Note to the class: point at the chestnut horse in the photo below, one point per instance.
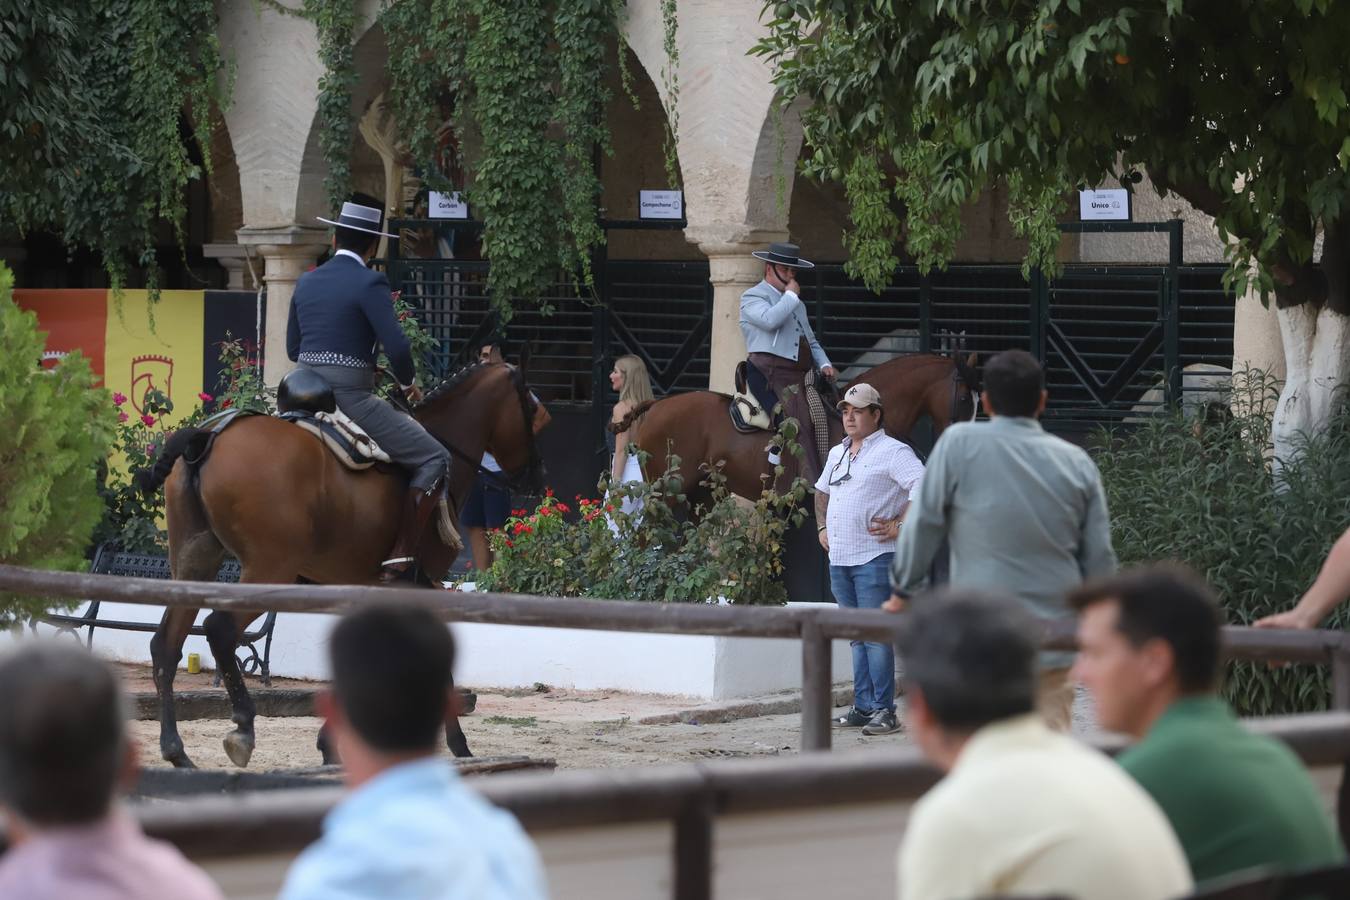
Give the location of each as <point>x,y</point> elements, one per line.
<point>277,499</point>
<point>697,427</point>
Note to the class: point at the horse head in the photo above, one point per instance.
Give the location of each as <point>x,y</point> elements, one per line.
<point>492,397</point>
<point>965,387</point>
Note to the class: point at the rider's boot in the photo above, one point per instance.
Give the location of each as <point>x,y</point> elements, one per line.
<point>418,508</point>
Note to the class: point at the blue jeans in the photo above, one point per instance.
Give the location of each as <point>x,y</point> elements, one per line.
<point>867,586</point>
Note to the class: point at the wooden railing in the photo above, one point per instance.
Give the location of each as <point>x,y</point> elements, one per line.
<point>815,628</point>
<point>691,796</point>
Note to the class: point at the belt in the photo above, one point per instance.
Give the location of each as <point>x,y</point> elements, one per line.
<point>329,358</point>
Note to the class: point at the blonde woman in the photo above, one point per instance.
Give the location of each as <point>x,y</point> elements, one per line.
<point>629,378</point>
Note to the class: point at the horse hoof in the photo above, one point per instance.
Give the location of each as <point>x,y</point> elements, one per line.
<point>239,748</point>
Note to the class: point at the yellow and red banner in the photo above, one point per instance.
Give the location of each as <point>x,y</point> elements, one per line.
<point>172,346</point>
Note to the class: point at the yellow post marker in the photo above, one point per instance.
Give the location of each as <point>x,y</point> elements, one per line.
<point>194,663</point>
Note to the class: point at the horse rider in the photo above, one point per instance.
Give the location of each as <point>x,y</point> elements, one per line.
<point>340,313</point>
<point>781,345</point>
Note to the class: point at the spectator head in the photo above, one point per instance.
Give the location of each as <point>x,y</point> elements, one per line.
<point>1146,637</point>
<point>391,691</point>
<point>64,750</point>
<point>970,660</point>
<point>490,351</point>
<point>1014,385</point>
<point>362,243</point>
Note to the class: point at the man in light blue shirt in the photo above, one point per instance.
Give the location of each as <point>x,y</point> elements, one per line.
<point>782,347</point>
<point>410,828</point>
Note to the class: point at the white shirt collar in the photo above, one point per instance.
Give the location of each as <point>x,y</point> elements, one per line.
<point>355,256</point>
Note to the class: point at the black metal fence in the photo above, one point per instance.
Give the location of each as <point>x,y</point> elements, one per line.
<point>1113,339</point>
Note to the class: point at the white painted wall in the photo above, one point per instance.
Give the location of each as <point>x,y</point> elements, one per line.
<point>705,668</point>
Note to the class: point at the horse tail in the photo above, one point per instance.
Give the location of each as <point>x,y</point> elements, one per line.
<point>189,441</point>
<point>633,415</point>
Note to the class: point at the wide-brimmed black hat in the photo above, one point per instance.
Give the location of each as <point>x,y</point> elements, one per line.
<point>783,255</point>
<point>358,218</point>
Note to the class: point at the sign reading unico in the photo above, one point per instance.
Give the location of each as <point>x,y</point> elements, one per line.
<point>1104,205</point>
<point>446,206</point>
<point>660,205</point>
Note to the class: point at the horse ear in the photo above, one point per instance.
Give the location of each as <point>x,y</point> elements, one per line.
<point>972,360</point>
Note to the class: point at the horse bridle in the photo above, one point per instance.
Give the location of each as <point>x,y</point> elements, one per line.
<point>959,378</point>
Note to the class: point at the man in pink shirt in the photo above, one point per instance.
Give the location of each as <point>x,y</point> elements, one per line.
<point>64,753</point>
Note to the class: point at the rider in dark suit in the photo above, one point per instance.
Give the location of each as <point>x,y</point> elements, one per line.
<point>340,314</point>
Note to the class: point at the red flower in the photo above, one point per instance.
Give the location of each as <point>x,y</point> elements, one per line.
<point>508,543</point>
<point>609,507</point>
<point>564,508</point>
<point>205,397</point>
<point>148,420</point>
<point>122,417</point>
<point>227,404</point>
<point>119,398</point>
<point>548,492</point>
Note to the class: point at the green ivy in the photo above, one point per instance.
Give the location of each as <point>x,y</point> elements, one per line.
<point>93,97</point>
<point>581,29</point>
<point>670,79</point>
<point>335,21</point>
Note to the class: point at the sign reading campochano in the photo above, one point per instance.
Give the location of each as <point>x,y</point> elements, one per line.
<point>1104,205</point>
<point>660,204</point>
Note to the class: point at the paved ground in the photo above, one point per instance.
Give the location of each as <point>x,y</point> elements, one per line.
<point>579,729</point>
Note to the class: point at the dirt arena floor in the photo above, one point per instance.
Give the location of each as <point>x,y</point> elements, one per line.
<point>578,729</point>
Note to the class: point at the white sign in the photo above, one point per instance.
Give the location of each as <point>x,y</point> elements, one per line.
<point>660,205</point>
<point>447,206</point>
<point>1104,205</point>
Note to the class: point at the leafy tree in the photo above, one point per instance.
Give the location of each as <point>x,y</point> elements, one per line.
<point>58,428</point>
<point>1240,107</point>
<point>95,98</point>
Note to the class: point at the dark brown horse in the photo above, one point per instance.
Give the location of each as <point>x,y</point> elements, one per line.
<point>697,428</point>
<point>273,496</point>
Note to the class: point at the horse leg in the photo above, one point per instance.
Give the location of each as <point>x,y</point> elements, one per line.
<point>326,746</point>
<point>166,650</point>
<point>222,633</point>
<point>454,735</point>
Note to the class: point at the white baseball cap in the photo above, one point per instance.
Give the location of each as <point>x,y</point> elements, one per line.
<point>861,396</point>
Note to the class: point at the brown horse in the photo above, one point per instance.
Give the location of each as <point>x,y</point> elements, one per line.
<point>696,426</point>
<point>273,496</point>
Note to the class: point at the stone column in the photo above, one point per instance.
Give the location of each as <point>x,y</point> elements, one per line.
<point>732,271</point>
<point>288,251</point>
<point>231,258</point>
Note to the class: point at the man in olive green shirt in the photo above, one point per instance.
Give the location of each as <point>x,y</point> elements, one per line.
<point>1149,654</point>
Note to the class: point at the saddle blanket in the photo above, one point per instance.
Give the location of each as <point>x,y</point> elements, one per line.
<point>350,444</point>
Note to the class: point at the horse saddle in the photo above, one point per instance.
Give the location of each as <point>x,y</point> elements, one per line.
<point>747,411</point>
<point>304,398</point>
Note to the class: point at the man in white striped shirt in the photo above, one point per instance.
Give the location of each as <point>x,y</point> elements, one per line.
<point>861,498</point>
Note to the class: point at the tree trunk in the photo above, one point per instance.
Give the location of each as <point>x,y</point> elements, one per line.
<point>1317,362</point>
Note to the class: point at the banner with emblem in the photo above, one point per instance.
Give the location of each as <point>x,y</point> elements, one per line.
<point>156,348</point>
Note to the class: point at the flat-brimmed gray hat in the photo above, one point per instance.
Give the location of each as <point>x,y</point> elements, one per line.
<point>783,255</point>
<point>358,218</point>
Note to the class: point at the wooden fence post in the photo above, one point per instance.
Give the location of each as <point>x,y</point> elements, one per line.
<point>1340,676</point>
<point>817,697</point>
<point>694,849</point>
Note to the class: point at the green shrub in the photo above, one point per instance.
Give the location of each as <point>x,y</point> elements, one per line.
<point>57,429</point>
<point>732,549</point>
<point>1203,492</point>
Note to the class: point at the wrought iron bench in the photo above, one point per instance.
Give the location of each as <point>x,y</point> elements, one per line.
<point>109,561</point>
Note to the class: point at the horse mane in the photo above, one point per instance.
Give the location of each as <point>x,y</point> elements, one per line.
<point>632,416</point>
<point>452,382</point>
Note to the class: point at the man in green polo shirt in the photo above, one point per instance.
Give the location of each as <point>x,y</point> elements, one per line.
<point>1149,654</point>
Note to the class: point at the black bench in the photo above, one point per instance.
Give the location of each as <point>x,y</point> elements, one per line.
<point>109,561</point>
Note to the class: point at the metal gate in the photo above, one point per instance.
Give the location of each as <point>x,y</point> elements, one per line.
<point>1107,335</point>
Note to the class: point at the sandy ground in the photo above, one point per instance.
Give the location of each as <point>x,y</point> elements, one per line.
<point>578,729</point>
